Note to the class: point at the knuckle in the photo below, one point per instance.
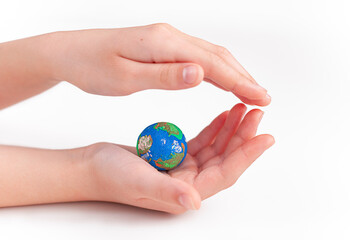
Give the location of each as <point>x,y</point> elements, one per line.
<point>95,149</point>
<point>162,34</point>
<point>216,58</point>
<point>164,25</point>
<point>233,87</point>
<point>222,51</point>
<point>161,29</point>
<point>215,61</point>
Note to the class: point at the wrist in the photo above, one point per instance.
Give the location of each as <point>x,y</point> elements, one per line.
<point>102,172</point>
<point>48,53</point>
<point>93,187</point>
<point>83,180</point>
<point>53,53</point>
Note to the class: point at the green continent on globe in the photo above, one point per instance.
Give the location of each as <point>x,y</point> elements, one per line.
<point>171,163</point>
<point>144,144</point>
<point>170,128</point>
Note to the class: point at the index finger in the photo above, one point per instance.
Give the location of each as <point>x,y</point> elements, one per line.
<point>221,73</point>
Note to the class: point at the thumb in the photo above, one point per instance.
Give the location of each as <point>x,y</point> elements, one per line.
<point>170,76</point>
<point>163,188</point>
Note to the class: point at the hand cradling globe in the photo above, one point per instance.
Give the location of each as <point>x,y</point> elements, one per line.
<point>163,145</point>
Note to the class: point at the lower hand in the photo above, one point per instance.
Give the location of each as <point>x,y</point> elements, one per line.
<point>216,158</point>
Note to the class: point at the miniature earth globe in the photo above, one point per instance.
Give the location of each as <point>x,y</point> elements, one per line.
<point>163,145</point>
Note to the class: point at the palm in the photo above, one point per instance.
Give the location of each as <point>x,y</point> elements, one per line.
<point>215,159</point>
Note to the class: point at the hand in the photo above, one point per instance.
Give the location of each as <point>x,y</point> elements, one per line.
<point>126,60</point>
<point>216,158</point>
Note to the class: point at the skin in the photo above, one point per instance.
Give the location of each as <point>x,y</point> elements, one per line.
<point>118,62</point>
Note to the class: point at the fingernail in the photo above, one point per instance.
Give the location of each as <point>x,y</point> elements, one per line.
<point>189,74</point>
<point>268,96</point>
<point>186,202</point>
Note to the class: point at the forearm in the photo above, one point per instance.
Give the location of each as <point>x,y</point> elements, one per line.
<point>34,176</point>
<point>25,69</point>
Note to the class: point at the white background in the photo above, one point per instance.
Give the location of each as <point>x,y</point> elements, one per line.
<point>298,50</point>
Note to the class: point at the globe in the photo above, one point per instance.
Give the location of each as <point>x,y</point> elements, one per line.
<point>163,145</point>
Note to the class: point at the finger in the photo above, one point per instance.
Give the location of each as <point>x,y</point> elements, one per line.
<point>246,130</point>
<point>209,181</point>
<point>218,55</point>
<point>260,102</point>
<point>228,57</point>
<point>163,188</point>
<point>156,205</point>
<point>207,135</point>
<point>234,63</point>
<point>215,84</point>
<point>217,69</point>
<point>237,162</point>
<point>219,177</point>
<point>230,126</point>
<point>170,76</point>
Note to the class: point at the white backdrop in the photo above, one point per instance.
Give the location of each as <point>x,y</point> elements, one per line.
<point>298,50</point>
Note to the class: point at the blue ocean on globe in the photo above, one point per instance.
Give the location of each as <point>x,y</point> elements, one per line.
<point>163,145</point>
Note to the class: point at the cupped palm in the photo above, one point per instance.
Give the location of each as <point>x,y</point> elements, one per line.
<point>216,158</point>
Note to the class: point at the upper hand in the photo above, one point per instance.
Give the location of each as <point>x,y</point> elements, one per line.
<point>126,60</point>
<point>215,160</point>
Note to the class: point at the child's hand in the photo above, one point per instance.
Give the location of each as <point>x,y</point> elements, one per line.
<point>216,158</point>
<point>126,60</point>
<point>108,172</point>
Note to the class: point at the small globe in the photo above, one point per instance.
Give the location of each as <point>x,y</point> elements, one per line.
<point>163,145</point>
